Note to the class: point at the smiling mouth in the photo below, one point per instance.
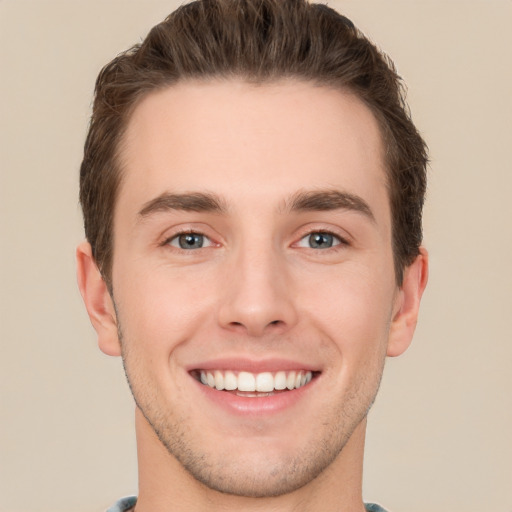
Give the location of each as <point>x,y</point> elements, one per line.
<point>254,384</point>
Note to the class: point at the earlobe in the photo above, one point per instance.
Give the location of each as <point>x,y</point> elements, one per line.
<point>407,306</point>
<point>98,301</point>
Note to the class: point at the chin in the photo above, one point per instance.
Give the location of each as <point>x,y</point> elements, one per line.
<point>258,476</point>
<point>259,468</point>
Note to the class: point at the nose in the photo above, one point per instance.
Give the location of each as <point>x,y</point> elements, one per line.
<point>257,296</point>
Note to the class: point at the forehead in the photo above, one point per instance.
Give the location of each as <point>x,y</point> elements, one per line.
<point>241,140</point>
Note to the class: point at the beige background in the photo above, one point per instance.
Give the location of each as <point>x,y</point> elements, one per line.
<point>439,435</point>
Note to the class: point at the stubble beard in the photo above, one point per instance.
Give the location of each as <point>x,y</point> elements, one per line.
<point>232,473</point>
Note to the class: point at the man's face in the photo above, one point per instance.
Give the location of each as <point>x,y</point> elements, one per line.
<point>253,248</point>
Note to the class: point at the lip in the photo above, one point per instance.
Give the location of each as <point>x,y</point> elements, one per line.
<point>253,366</point>
<point>254,406</point>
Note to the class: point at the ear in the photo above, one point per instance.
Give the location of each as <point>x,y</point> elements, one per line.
<point>98,301</point>
<point>407,305</point>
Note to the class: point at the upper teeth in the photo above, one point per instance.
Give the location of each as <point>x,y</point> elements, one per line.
<point>245,381</point>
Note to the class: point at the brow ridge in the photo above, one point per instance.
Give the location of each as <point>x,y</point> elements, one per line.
<point>316,200</point>
<point>191,202</point>
<point>325,200</point>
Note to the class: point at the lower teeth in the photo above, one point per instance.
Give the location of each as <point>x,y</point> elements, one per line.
<point>251,394</point>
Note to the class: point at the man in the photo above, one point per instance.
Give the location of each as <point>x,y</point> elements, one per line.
<point>252,189</point>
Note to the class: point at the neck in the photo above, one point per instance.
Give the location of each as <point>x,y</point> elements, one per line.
<point>165,486</point>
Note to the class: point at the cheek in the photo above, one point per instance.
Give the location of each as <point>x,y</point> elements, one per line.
<point>353,309</point>
<point>162,308</point>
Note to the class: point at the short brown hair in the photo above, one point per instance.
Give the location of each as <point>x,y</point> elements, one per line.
<point>258,41</point>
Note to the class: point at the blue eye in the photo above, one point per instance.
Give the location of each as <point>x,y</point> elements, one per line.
<point>188,241</point>
<point>320,240</point>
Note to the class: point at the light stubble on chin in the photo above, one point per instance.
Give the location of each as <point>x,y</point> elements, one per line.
<point>234,474</point>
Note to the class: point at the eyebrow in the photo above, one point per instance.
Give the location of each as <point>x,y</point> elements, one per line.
<point>317,200</point>
<point>189,202</point>
<point>325,200</point>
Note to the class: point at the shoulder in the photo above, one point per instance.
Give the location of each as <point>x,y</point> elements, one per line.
<point>123,505</point>
<point>372,507</point>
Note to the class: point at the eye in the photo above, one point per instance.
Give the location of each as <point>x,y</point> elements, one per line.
<point>189,241</point>
<point>320,240</point>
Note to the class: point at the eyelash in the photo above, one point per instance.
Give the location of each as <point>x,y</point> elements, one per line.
<point>340,242</point>
<point>177,235</point>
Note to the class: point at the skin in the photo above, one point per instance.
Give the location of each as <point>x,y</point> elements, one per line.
<point>257,291</point>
